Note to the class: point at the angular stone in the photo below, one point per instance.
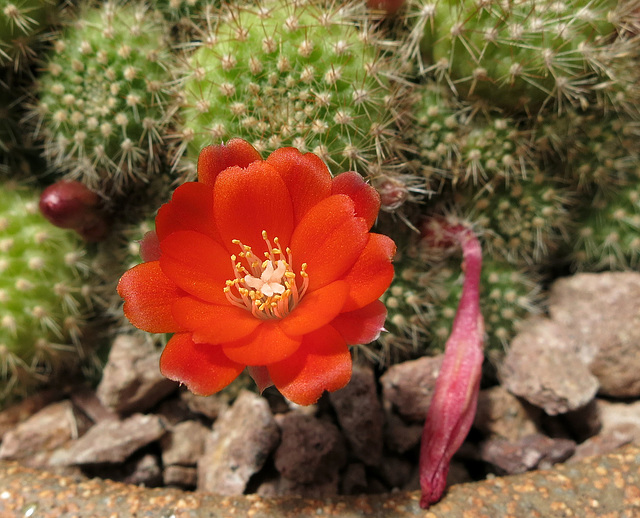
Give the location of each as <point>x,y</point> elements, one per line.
<point>360,415</point>
<point>111,441</point>
<point>395,471</point>
<point>282,486</point>
<point>603,313</point>
<point>399,436</point>
<point>12,415</point>
<point>184,477</point>
<point>542,367</point>
<point>354,479</point>
<point>141,469</point>
<point>33,439</point>
<point>502,414</point>
<point>184,444</point>
<point>241,440</point>
<point>209,406</point>
<point>409,386</point>
<point>310,450</point>
<point>87,401</point>
<point>131,381</point>
<point>530,452</point>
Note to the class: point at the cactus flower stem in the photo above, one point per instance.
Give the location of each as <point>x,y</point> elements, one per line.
<point>454,403</point>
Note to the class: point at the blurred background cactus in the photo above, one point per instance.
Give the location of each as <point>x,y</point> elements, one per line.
<point>45,296</point>
<point>103,97</point>
<point>519,120</point>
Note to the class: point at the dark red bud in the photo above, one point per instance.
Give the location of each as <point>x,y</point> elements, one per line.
<point>67,204</point>
<point>71,204</point>
<point>388,6</point>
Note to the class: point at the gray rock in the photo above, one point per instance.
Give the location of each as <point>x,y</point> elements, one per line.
<point>241,440</point>
<point>34,439</point>
<point>360,415</point>
<point>209,406</point>
<point>143,471</point>
<point>87,401</point>
<point>400,436</point>
<point>281,486</point>
<point>184,477</point>
<point>395,471</point>
<point>530,452</point>
<point>603,312</point>
<point>310,450</point>
<point>12,415</point>
<point>620,417</point>
<point>111,441</point>
<point>602,444</point>
<point>502,414</point>
<point>542,367</point>
<point>354,479</point>
<point>184,444</point>
<point>409,386</point>
<point>131,381</point>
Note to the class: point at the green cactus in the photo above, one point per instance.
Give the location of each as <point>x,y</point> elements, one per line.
<point>424,296</point>
<point>103,97</point>
<point>23,26</point>
<point>44,295</point>
<point>463,143</point>
<point>607,236</point>
<point>525,54</point>
<point>522,222</point>
<point>292,73</point>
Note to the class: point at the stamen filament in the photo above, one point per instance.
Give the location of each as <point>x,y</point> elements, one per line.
<point>266,288</point>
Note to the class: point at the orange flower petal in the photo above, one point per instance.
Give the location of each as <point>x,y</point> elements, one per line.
<point>212,323</point>
<point>267,344</point>
<point>215,159</point>
<point>197,264</point>
<point>329,239</point>
<point>322,362</point>
<point>248,201</point>
<point>203,368</point>
<point>365,197</point>
<point>316,309</point>
<point>363,325</point>
<point>190,208</point>
<point>148,296</point>
<point>372,273</point>
<point>307,177</point>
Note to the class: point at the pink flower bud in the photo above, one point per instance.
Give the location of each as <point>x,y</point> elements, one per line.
<point>454,403</point>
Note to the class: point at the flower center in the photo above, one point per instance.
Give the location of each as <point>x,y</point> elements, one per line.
<point>268,288</point>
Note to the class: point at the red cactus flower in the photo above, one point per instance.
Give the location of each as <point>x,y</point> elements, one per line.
<point>266,264</point>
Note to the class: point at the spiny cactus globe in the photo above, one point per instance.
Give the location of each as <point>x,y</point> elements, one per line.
<point>305,74</point>
<point>44,293</point>
<point>466,143</point>
<point>524,54</point>
<point>23,24</point>
<point>103,97</point>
